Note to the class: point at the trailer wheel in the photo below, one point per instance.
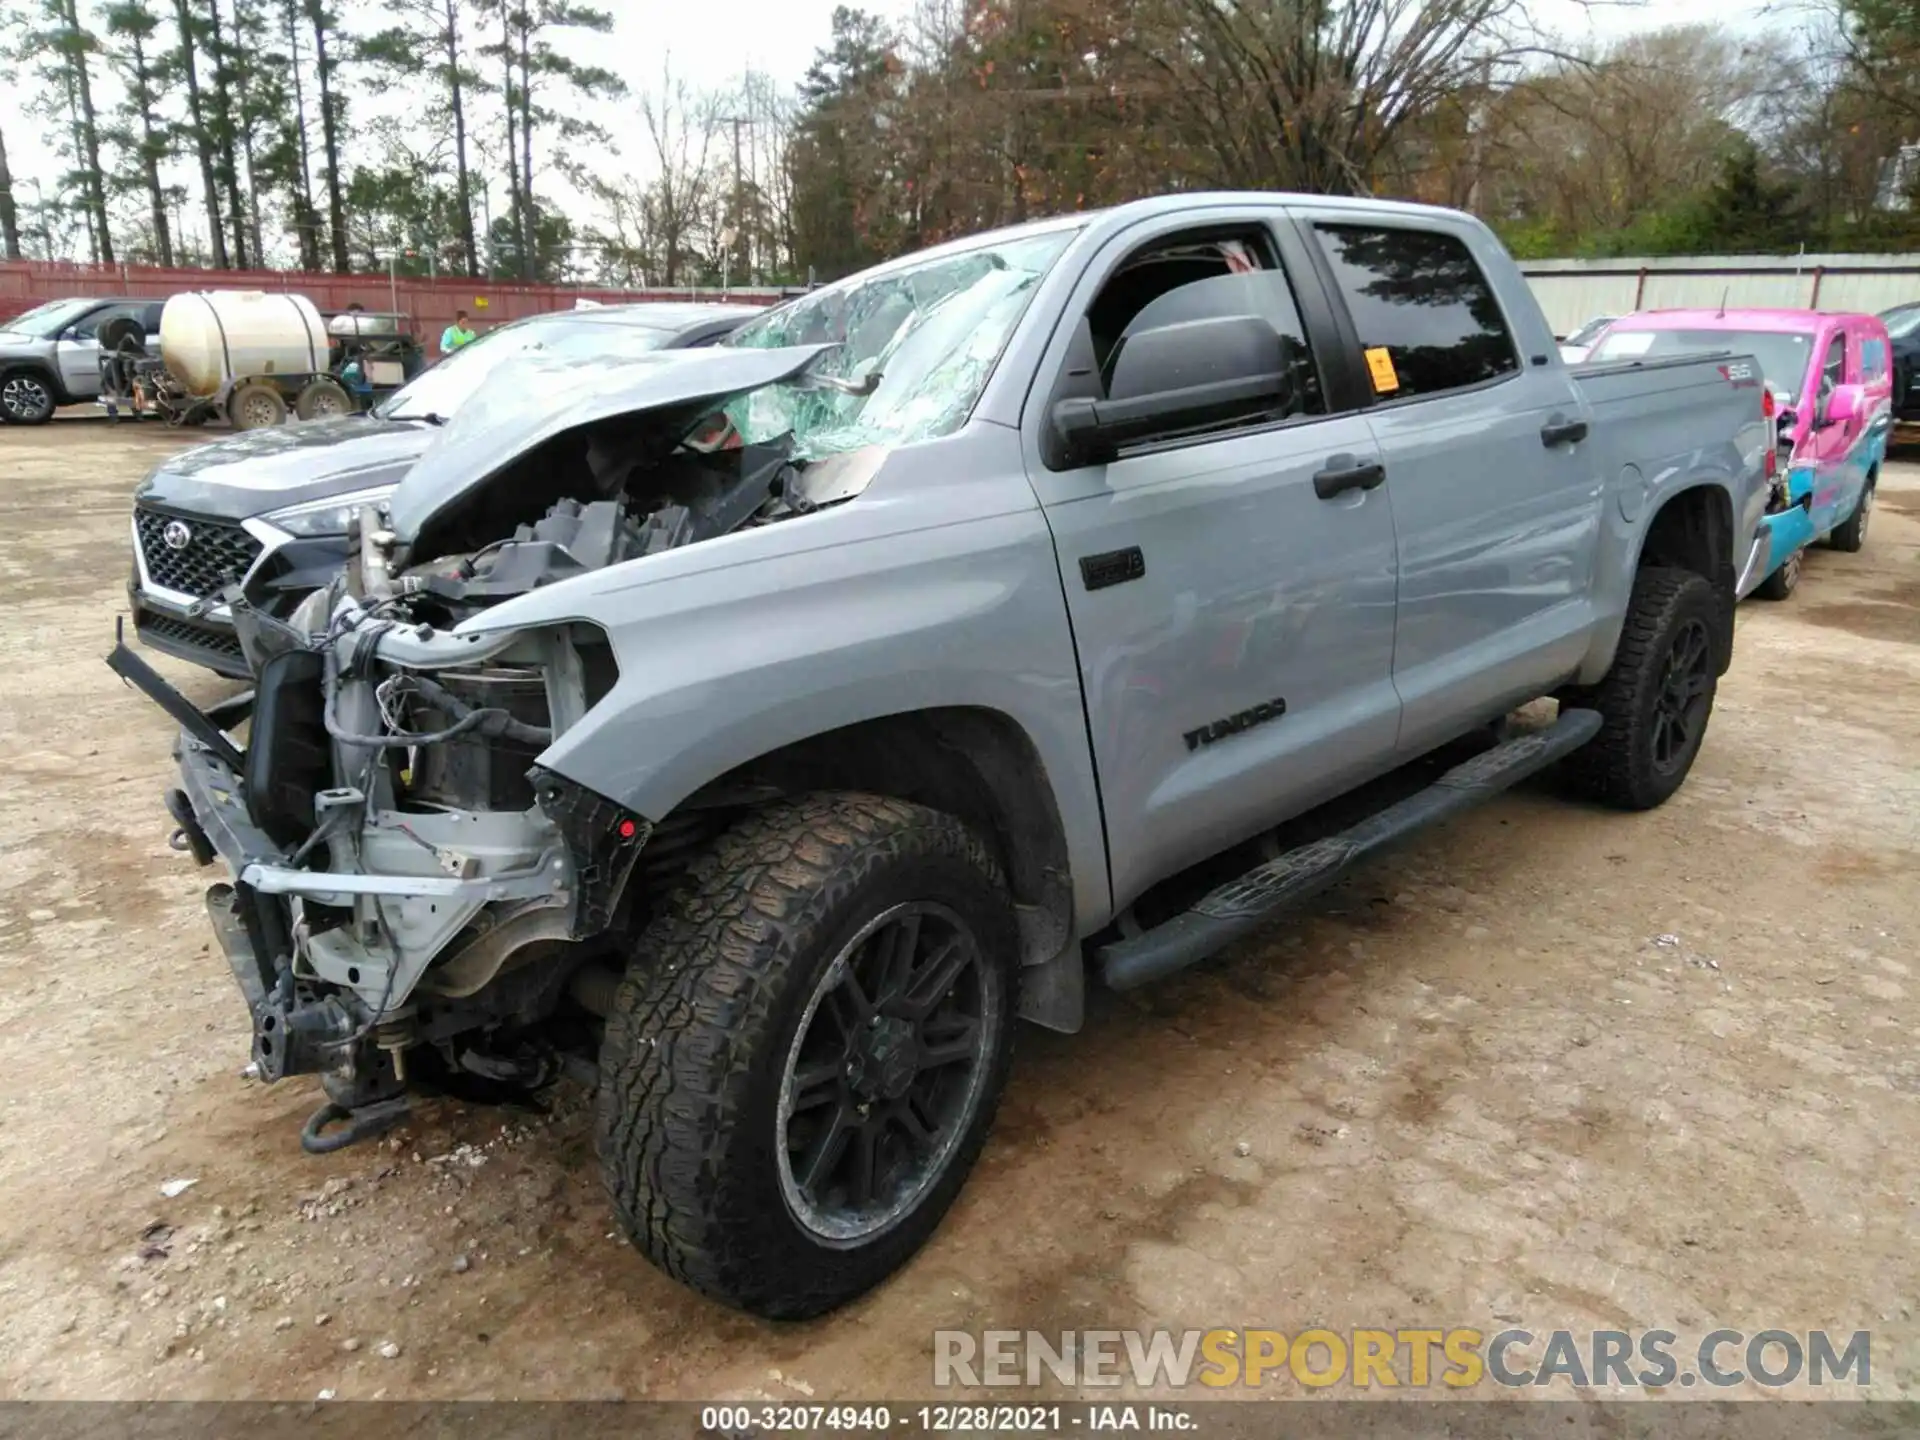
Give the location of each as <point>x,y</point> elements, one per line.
<point>255,406</point>
<point>323,399</point>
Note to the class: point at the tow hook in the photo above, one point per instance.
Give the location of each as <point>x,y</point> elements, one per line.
<point>320,1137</point>
<point>189,838</point>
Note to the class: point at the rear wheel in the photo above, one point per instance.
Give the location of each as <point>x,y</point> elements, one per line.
<point>804,1061</point>
<point>1785,579</point>
<point>1658,696</point>
<point>1852,535</point>
<point>26,398</point>
<point>256,406</point>
<point>321,400</point>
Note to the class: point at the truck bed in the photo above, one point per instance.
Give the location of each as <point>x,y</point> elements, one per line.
<point>1649,420</point>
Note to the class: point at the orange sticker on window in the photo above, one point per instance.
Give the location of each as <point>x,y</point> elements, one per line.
<point>1380,366</point>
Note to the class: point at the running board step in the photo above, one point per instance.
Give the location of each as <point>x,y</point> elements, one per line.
<point>1241,906</point>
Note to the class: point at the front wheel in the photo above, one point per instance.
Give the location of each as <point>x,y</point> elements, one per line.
<point>25,398</point>
<point>1657,697</point>
<point>1852,535</point>
<point>804,1061</point>
<point>1785,578</point>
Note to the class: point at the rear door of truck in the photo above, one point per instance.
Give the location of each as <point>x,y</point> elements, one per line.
<point>1485,439</point>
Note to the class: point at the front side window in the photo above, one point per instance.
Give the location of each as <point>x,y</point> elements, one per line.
<point>1428,320</point>
<point>1833,373</point>
<point>913,347</point>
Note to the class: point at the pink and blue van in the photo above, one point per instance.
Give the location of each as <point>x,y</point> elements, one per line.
<point>1829,382</point>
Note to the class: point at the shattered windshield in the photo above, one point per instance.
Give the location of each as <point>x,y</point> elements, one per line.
<point>914,348</point>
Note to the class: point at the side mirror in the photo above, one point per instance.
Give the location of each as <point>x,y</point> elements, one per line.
<point>1845,403</point>
<point>1175,377</point>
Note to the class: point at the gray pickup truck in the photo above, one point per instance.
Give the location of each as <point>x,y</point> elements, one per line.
<point>759,731</point>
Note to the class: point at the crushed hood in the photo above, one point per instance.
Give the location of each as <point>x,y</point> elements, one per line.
<point>529,402</point>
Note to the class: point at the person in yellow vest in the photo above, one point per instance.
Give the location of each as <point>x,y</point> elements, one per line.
<point>456,334</point>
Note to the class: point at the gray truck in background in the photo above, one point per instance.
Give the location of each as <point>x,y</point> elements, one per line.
<point>759,731</point>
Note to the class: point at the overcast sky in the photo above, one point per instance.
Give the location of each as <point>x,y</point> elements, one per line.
<point>711,42</point>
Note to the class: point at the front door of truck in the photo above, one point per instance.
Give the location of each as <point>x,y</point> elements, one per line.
<point>1496,491</point>
<point>1231,588</point>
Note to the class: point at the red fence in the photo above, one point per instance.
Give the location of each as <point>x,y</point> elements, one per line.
<point>432,303</point>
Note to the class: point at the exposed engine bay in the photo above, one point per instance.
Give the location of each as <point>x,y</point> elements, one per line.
<point>402,859</point>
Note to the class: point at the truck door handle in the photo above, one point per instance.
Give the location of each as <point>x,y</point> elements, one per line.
<point>1561,431</point>
<point>1344,473</point>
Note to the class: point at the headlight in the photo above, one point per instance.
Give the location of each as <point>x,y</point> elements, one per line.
<point>326,517</point>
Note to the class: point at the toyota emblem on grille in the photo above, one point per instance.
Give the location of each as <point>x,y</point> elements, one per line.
<point>177,535</point>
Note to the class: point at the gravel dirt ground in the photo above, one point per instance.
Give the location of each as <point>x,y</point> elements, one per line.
<point>1549,1066</point>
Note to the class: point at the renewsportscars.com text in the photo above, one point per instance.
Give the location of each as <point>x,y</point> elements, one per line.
<point>1455,1359</point>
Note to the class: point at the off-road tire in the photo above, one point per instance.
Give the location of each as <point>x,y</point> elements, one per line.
<point>26,398</point>
<point>1784,579</point>
<point>1617,767</point>
<point>1852,534</point>
<point>256,406</point>
<point>698,1042</point>
<point>322,399</point>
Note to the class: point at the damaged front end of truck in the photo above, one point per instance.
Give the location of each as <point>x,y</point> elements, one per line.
<point>416,901</point>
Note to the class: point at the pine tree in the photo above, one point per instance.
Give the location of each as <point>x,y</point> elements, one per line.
<point>432,41</point>
<point>140,132</point>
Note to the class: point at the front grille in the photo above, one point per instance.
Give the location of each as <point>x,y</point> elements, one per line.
<point>211,638</point>
<point>217,552</point>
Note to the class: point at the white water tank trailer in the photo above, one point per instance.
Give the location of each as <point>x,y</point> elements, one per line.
<point>211,338</point>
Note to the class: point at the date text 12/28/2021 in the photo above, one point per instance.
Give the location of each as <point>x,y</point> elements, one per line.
<point>782,1419</point>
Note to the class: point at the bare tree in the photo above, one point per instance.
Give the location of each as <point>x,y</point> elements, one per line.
<point>188,29</point>
<point>1311,95</point>
<point>679,200</point>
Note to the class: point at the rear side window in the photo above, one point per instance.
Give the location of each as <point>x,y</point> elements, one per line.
<point>1427,317</point>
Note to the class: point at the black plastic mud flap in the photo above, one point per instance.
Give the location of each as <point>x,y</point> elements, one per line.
<point>1242,905</point>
